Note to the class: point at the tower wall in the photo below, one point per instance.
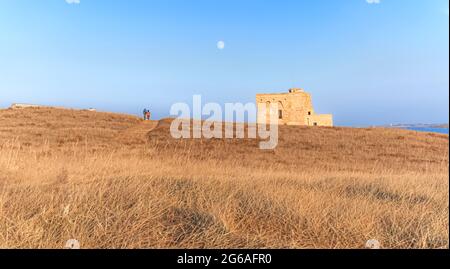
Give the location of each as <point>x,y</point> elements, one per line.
<point>294,108</point>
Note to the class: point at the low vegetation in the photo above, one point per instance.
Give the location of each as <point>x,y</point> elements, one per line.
<point>114,181</point>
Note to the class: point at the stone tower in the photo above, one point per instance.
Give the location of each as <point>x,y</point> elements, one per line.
<point>294,108</point>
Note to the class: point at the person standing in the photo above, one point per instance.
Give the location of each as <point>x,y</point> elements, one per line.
<point>145,113</point>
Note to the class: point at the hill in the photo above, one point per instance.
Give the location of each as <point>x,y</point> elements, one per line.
<point>114,181</point>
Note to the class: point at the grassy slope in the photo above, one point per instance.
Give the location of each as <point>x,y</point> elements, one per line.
<point>109,182</point>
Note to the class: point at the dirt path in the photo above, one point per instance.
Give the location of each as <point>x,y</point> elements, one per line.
<point>138,132</point>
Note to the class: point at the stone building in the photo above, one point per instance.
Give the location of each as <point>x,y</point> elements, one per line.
<point>20,106</point>
<point>294,108</point>
<point>23,106</point>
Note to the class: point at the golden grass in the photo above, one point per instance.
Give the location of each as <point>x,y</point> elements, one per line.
<point>112,181</point>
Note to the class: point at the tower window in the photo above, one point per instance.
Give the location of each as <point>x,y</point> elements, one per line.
<point>309,113</point>
<point>315,123</point>
<point>280,114</point>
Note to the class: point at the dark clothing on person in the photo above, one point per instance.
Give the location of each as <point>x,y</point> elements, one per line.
<point>145,113</point>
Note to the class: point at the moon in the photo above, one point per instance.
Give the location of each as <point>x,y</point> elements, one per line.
<point>221,45</point>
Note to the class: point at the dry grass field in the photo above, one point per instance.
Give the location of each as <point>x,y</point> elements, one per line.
<point>113,181</point>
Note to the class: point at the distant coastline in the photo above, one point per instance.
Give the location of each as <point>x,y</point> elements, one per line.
<point>418,125</point>
<point>442,128</point>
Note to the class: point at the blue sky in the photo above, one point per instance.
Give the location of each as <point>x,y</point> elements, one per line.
<point>367,63</point>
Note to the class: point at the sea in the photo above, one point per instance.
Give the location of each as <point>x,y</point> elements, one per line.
<point>430,130</point>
